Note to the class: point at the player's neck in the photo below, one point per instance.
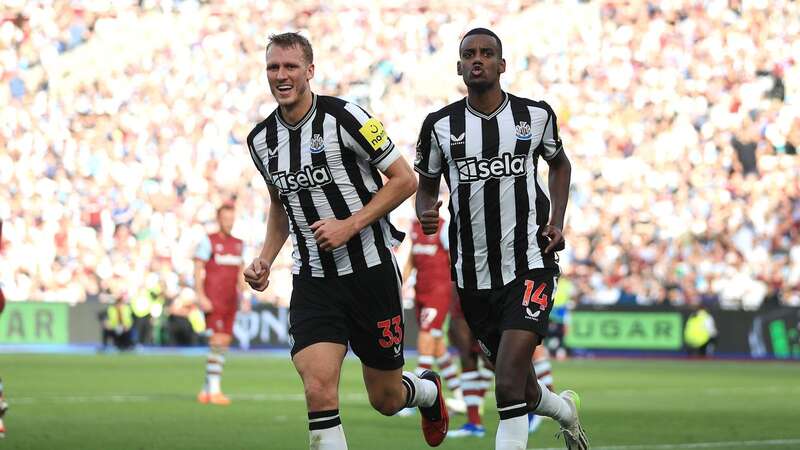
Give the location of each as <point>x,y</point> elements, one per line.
<point>295,112</point>
<point>486,101</point>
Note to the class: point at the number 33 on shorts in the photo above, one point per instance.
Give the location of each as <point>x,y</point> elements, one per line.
<point>392,332</point>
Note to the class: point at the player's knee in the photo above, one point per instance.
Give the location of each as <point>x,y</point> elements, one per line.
<point>320,394</point>
<point>386,402</point>
<point>508,390</point>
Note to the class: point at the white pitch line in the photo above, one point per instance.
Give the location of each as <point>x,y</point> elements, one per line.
<point>728,444</point>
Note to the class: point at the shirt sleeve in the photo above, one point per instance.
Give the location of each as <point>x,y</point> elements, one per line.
<point>367,137</point>
<point>550,140</point>
<point>259,162</point>
<point>428,161</point>
<point>203,250</point>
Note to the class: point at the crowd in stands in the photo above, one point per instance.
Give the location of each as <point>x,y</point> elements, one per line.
<point>124,125</point>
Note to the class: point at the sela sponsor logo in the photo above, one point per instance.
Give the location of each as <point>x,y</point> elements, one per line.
<point>472,169</point>
<point>524,131</point>
<point>457,140</point>
<point>306,178</point>
<point>317,144</point>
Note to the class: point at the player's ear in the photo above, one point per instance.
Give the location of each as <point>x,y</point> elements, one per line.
<point>501,68</point>
<point>459,69</point>
<point>310,71</point>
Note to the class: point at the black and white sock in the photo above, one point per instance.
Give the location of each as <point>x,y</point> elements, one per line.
<point>325,431</point>
<point>512,432</point>
<point>419,392</point>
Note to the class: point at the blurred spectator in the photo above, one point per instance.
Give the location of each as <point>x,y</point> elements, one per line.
<point>148,301</point>
<point>185,321</point>
<point>682,120</point>
<point>118,325</point>
<point>700,333</point>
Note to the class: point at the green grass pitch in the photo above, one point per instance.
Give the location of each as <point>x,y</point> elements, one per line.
<point>129,401</point>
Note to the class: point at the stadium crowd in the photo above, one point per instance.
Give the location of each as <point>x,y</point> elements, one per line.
<point>125,124</point>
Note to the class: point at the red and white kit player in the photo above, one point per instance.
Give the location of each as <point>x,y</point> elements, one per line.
<point>433,295</point>
<point>219,282</point>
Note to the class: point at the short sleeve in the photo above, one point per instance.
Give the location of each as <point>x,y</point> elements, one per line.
<point>550,140</point>
<point>428,161</point>
<point>366,136</point>
<point>256,154</point>
<point>203,250</point>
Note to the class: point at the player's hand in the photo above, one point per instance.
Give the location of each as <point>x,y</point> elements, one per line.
<point>430,219</point>
<point>257,274</point>
<point>553,234</point>
<point>332,233</point>
<point>204,303</point>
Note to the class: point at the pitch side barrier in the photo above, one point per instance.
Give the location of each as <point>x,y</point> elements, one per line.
<point>50,325</point>
<point>658,331</point>
<point>598,330</point>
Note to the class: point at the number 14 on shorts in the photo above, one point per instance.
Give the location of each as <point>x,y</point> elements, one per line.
<point>534,296</point>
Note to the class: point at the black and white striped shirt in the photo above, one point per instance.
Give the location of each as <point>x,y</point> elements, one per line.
<point>497,204</point>
<point>326,166</point>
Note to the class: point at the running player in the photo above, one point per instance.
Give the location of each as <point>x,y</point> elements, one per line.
<point>217,268</point>
<point>503,236</point>
<point>320,157</point>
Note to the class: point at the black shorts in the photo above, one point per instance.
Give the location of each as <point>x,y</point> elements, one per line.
<point>363,309</point>
<point>523,304</point>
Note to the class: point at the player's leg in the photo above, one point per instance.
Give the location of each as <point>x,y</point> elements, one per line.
<point>482,323</point>
<point>525,306</point>
<point>448,370</point>
<point>544,374</point>
<point>375,321</point>
<point>319,366</point>
<point>426,343</point>
<point>318,333</point>
<point>221,325</point>
<point>470,380</point>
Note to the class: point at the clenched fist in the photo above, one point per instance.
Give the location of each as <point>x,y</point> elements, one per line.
<point>257,274</point>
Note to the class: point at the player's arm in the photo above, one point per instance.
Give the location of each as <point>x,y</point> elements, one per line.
<point>366,137</point>
<point>558,182</point>
<point>201,256</point>
<point>400,184</point>
<point>428,164</point>
<point>257,273</point>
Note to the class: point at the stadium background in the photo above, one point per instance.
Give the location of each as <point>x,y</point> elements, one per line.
<point>122,130</point>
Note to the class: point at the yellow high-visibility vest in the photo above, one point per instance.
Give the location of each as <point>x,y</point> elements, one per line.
<point>696,333</point>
